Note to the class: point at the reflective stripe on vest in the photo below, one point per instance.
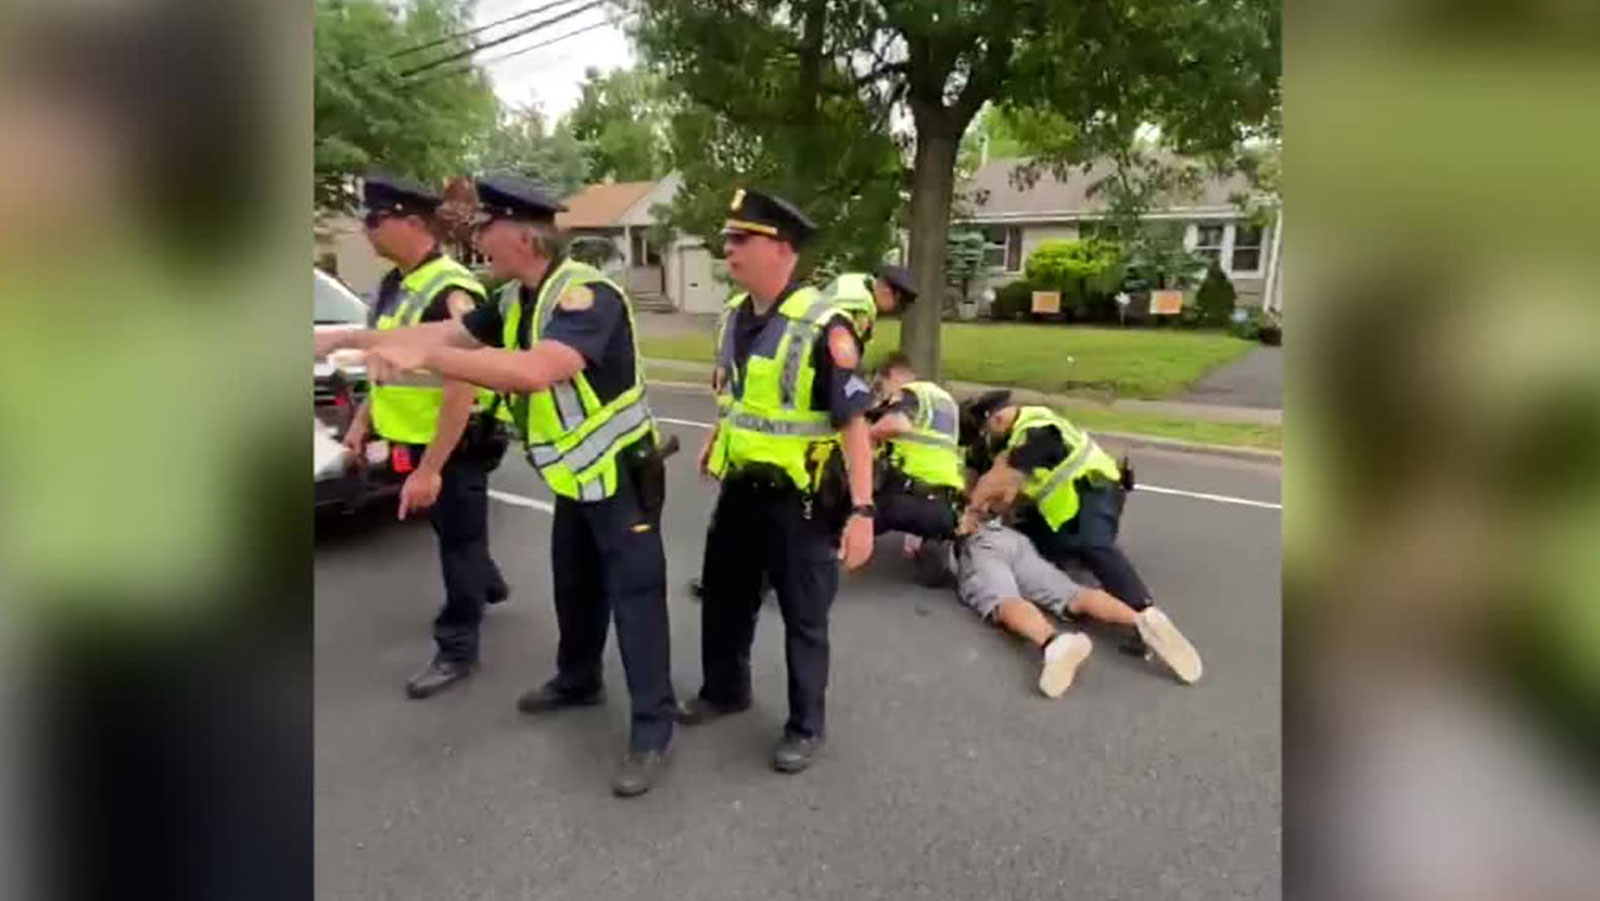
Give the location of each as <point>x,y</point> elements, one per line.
<point>1055,494</point>
<point>574,441</point>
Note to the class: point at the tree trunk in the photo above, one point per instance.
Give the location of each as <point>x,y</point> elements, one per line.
<point>932,187</point>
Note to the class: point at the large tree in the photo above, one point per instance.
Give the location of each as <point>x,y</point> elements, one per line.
<point>762,103</point>
<point>1205,72</point>
<point>368,114</point>
<point>521,142</point>
<point>621,117</point>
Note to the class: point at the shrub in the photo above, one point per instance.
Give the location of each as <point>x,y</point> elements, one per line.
<point>1249,325</point>
<point>1086,272</point>
<point>1013,301</point>
<point>1215,298</point>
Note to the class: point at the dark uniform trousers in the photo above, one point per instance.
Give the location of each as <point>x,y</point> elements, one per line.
<point>1091,537</point>
<point>927,513</point>
<point>608,561</point>
<point>460,520</point>
<point>761,530</point>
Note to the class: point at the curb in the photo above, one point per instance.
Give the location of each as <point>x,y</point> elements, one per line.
<point>1254,454</point>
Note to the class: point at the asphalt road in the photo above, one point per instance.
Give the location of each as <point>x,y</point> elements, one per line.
<point>946,776</point>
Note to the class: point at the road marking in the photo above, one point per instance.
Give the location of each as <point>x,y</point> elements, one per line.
<point>1219,498</point>
<point>520,501</point>
<point>517,500</point>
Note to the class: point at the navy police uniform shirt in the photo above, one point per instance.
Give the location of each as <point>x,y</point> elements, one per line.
<point>838,390</point>
<point>596,326</point>
<point>1040,449</point>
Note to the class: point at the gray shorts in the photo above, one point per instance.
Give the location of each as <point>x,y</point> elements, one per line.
<point>999,563</point>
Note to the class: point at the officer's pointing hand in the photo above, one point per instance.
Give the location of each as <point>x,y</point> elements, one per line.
<point>420,491</point>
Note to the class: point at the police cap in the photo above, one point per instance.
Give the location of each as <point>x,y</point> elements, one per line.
<point>981,407</point>
<point>753,212</point>
<point>385,193</point>
<point>899,278</point>
<point>509,196</point>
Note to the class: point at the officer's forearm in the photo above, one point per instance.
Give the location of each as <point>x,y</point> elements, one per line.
<point>453,416</point>
<point>858,459</point>
<point>889,426</point>
<point>994,487</point>
<point>507,371</point>
<point>447,332</point>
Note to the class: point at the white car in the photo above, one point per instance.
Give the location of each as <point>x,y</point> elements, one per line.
<point>341,385</point>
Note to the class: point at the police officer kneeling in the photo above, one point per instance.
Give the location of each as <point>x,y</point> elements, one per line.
<point>576,393</point>
<point>443,447</point>
<point>792,433</point>
<point>921,477</point>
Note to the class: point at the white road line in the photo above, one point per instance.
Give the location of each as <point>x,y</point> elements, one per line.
<point>517,500</point>
<point>1219,498</point>
<point>520,501</point>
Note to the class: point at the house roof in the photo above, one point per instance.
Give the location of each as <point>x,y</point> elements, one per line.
<point>1050,199</point>
<point>602,205</point>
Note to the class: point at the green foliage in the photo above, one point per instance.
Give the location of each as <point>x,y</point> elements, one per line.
<point>1249,325</point>
<point>964,259</point>
<point>764,104</point>
<point>1215,298</point>
<point>1013,301</point>
<point>1084,271</point>
<point>369,115</point>
<point>520,142</point>
<point>621,116</point>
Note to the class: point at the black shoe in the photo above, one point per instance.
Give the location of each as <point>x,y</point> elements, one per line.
<point>436,677</point>
<point>549,696</point>
<point>935,564</point>
<point>638,772</point>
<point>498,593</point>
<point>698,710</point>
<point>1134,646</point>
<point>795,752</point>
<point>697,588</point>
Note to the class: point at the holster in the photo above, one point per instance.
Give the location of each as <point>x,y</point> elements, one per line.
<point>832,504</point>
<point>1126,468</point>
<point>484,441</point>
<point>646,463</point>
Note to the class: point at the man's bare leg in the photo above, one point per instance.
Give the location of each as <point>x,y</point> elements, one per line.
<point>1063,652</point>
<point>1154,626</point>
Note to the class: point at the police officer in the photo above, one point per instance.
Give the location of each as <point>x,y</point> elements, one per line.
<point>921,479</point>
<point>1072,492</point>
<point>425,420</point>
<point>794,455</point>
<point>863,297</point>
<point>566,361</point>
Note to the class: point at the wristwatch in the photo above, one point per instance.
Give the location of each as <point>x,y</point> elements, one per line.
<point>869,511</point>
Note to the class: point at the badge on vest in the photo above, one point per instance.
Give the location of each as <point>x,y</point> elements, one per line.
<point>576,298</point>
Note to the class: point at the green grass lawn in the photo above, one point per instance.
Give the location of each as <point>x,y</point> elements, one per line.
<point>1131,363</point>
<point>1232,434</point>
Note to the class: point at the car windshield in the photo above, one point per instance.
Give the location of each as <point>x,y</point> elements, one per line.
<point>335,304</point>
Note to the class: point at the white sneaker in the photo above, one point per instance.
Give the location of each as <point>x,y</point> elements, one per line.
<point>1062,657</point>
<point>1164,639</point>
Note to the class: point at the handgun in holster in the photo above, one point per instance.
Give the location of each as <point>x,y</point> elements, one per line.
<point>831,506</point>
<point>1126,468</point>
<point>646,464</point>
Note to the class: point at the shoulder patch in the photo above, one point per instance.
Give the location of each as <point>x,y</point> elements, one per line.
<point>842,346</point>
<point>576,298</point>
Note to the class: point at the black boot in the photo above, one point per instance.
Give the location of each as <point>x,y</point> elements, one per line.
<point>498,592</point>
<point>638,772</point>
<point>795,752</point>
<point>551,696</point>
<point>436,677</point>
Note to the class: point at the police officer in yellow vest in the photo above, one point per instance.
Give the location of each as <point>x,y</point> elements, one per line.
<point>793,453</point>
<point>425,420</point>
<point>1071,492</point>
<point>922,478</point>
<point>559,343</point>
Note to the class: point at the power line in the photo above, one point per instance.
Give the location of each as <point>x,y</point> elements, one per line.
<point>472,31</point>
<point>462,70</point>
<point>541,24</point>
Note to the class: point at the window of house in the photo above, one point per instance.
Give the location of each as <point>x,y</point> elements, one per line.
<point>1002,247</point>
<point>1248,242</point>
<point>1208,240</point>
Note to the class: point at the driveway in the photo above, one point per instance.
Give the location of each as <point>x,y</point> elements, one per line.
<point>1254,380</point>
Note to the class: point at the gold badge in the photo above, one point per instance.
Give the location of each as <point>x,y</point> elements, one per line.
<point>578,297</point>
<point>738,198</point>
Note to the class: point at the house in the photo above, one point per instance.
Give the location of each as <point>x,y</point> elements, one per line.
<point>1015,221</point>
